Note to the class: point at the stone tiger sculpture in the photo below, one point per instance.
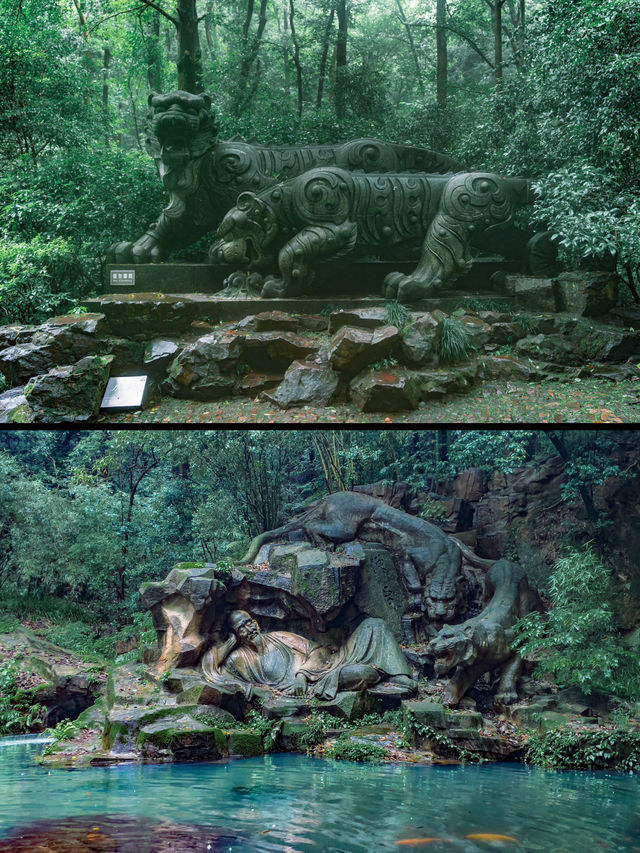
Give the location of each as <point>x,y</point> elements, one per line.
<point>328,212</point>
<point>436,557</point>
<point>483,642</point>
<point>204,176</point>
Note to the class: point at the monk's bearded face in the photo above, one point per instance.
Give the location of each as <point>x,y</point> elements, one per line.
<point>247,629</point>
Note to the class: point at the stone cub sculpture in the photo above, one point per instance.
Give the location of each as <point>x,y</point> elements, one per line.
<point>484,641</point>
<point>328,212</point>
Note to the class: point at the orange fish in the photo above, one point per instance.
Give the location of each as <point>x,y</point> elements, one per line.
<point>490,836</point>
<point>416,841</point>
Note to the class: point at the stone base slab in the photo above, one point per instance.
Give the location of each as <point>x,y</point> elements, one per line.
<point>353,278</point>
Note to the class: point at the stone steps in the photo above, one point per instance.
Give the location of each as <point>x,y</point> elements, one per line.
<point>141,316</point>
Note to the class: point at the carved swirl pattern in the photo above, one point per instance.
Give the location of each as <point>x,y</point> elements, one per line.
<point>319,196</point>
<point>369,155</point>
<point>477,197</point>
<point>236,163</point>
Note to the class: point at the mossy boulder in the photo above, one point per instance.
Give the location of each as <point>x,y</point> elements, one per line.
<point>425,714</point>
<point>347,705</point>
<point>244,742</point>
<point>463,720</point>
<point>186,740</point>
<point>289,737</point>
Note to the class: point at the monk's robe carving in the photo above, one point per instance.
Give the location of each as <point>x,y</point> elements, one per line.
<point>296,666</point>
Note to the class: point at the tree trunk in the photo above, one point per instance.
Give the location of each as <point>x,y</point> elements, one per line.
<point>323,59</point>
<point>497,41</point>
<point>154,66</point>
<point>341,59</point>
<point>106,62</point>
<point>284,38</point>
<point>250,52</point>
<point>189,57</point>
<point>557,439</point>
<point>296,58</point>
<point>441,54</point>
<point>412,44</point>
<point>211,30</point>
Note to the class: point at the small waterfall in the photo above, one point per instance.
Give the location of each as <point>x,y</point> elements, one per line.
<point>22,740</point>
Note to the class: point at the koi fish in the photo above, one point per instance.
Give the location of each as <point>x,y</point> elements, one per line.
<point>490,836</point>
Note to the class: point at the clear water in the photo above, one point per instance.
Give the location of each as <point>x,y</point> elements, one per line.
<point>289,803</point>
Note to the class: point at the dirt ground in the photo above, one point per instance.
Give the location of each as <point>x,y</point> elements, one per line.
<point>580,401</point>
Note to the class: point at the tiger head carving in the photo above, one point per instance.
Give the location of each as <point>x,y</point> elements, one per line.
<point>244,233</point>
<point>180,129</point>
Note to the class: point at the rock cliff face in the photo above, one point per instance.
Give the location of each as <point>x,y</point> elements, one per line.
<point>523,516</point>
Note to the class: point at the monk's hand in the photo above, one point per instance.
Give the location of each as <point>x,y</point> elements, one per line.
<point>299,687</point>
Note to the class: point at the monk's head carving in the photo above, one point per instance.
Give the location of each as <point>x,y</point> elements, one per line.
<point>243,625</point>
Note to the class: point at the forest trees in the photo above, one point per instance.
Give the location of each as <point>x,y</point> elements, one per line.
<point>559,106</point>
<point>88,516</point>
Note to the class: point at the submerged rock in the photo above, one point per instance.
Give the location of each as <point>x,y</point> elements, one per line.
<point>119,832</point>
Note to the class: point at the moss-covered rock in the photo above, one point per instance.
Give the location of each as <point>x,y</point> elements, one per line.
<point>187,740</point>
<point>291,734</point>
<point>425,714</point>
<point>347,705</point>
<point>245,742</point>
<point>463,719</point>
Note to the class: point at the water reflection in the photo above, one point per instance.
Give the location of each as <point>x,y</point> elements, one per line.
<point>290,804</point>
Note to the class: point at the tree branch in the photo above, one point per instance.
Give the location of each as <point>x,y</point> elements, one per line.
<point>159,9</point>
<point>463,36</point>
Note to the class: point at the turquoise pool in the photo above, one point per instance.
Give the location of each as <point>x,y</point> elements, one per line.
<point>290,803</point>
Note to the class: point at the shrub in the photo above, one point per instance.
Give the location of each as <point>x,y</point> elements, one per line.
<point>578,638</point>
<point>57,222</point>
<point>347,750</point>
<point>31,275</point>
<point>455,341</point>
<point>565,750</point>
<point>16,714</point>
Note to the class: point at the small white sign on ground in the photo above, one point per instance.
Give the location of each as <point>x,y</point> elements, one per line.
<point>125,392</point>
<point>123,278</point>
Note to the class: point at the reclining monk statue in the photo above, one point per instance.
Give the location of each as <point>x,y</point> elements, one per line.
<point>295,666</point>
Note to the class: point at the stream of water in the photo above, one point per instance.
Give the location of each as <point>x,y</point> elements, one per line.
<point>290,803</point>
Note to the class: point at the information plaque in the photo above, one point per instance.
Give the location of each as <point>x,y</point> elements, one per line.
<point>125,392</point>
<point>123,278</point>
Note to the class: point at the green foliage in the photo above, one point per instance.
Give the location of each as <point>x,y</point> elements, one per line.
<point>488,450</point>
<point>387,363</point>
<point>8,623</point>
<point>31,274</point>
<point>43,79</point>
<point>397,315</point>
<point>225,567</point>
<point>578,638</point>
<point>441,743</point>
<point>345,749</point>
<point>455,342</point>
<point>64,730</point>
<point>486,304</point>
<point>578,750</point>
<point>433,510</point>
<point>267,729</point>
<point>57,221</point>
<point>44,607</point>
<point>16,713</point>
